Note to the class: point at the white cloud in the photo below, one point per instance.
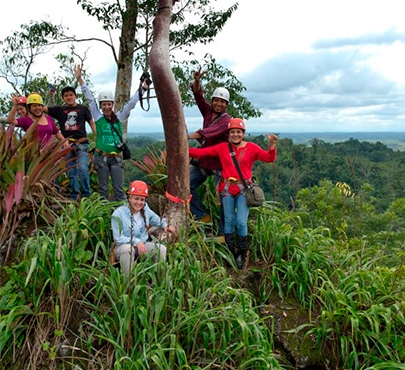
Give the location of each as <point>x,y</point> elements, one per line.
<point>322,65</point>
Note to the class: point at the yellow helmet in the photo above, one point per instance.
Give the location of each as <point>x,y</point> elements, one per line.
<point>35,98</point>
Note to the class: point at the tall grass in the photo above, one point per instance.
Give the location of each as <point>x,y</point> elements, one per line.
<point>357,302</point>
<point>175,315</point>
<point>64,305</point>
<point>297,255</point>
<point>37,302</point>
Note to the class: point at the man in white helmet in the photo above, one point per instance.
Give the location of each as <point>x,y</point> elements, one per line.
<point>214,131</point>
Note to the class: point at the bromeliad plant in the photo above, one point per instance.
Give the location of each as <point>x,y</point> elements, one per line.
<point>154,164</point>
<point>27,178</point>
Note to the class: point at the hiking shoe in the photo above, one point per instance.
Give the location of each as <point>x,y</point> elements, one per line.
<point>206,219</point>
<point>220,239</point>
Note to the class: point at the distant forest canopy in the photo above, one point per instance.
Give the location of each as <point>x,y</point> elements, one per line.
<point>393,140</point>
<point>360,164</point>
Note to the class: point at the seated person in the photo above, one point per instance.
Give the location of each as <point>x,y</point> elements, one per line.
<point>130,224</point>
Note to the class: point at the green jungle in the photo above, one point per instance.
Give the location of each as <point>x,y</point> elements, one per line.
<point>323,286</point>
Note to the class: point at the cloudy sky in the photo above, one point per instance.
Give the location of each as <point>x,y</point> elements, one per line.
<point>313,66</point>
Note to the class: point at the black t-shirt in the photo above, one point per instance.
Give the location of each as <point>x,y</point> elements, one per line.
<point>72,120</point>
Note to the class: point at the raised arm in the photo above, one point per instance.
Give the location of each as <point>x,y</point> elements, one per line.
<point>11,115</point>
<point>51,99</point>
<point>272,141</point>
<point>87,93</point>
<point>125,111</point>
<point>197,75</point>
<point>78,75</point>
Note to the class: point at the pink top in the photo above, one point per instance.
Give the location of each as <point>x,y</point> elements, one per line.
<point>45,132</point>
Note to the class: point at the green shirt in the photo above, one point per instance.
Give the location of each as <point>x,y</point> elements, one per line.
<point>107,138</point>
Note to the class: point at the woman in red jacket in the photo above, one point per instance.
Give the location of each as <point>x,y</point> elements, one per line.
<point>236,210</point>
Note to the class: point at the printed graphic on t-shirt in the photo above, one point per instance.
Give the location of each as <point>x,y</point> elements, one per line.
<point>108,137</point>
<point>71,122</point>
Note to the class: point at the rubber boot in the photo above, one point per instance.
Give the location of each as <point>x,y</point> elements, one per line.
<point>242,248</point>
<point>230,242</point>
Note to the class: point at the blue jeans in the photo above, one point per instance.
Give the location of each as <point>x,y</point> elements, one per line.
<point>236,213</point>
<point>106,166</point>
<point>79,175</point>
<point>197,178</point>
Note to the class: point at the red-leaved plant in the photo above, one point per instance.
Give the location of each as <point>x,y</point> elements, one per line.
<point>27,178</point>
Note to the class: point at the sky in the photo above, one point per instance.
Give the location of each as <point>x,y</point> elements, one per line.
<point>308,66</point>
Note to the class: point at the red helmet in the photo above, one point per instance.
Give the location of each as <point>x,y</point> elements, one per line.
<point>22,100</point>
<point>236,123</point>
<point>138,188</point>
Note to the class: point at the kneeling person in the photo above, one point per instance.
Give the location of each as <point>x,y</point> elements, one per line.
<point>130,224</point>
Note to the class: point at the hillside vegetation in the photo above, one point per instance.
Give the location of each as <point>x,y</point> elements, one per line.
<point>372,169</point>
<point>323,287</point>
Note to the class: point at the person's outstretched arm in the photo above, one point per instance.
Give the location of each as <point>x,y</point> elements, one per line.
<point>125,111</point>
<point>11,115</point>
<point>96,114</point>
<point>196,85</point>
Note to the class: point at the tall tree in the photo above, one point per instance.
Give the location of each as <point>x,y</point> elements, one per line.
<point>171,108</point>
<point>134,20</point>
<point>194,22</point>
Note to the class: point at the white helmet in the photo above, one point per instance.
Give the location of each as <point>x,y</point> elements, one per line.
<point>222,93</point>
<point>105,95</point>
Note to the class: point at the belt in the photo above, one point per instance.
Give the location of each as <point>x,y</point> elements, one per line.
<point>82,140</point>
<point>109,155</point>
<point>232,180</point>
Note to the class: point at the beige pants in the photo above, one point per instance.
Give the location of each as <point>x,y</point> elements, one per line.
<point>126,255</point>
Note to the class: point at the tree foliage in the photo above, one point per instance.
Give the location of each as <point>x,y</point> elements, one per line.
<point>22,48</point>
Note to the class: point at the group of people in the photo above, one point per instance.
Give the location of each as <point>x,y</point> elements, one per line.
<point>131,221</point>
<point>72,117</point>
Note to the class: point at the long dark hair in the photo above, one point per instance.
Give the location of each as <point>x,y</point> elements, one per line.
<point>113,118</point>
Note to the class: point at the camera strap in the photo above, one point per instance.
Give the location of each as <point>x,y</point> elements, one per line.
<point>116,131</point>
<point>141,98</point>
<point>235,162</point>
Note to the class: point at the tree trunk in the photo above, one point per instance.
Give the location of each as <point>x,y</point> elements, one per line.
<point>171,109</point>
<point>126,58</point>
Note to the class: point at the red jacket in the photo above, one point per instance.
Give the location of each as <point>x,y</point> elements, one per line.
<point>246,156</point>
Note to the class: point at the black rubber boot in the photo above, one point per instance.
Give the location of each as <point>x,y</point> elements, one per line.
<point>230,243</point>
<point>242,248</point>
